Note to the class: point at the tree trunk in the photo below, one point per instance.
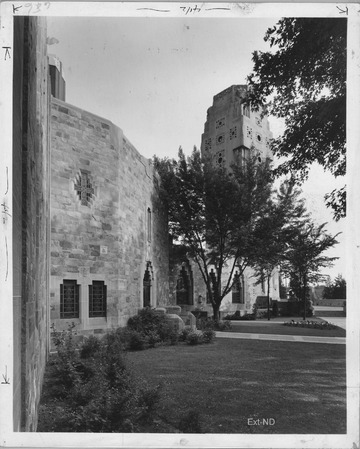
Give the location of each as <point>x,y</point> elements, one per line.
<point>304,294</point>
<point>268,296</point>
<point>216,312</point>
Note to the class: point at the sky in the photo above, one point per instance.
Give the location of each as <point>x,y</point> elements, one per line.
<point>155,78</point>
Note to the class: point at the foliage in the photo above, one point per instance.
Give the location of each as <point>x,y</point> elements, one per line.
<point>64,341</point>
<point>147,320</point>
<point>286,212</point>
<point>208,323</point>
<point>208,335</point>
<point>304,81</point>
<point>323,325</point>
<point>90,346</point>
<point>148,328</point>
<point>99,394</point>
<point>184,333</point>
<point>304,258</point>
<point>194,337</point>
<point>237,317</point>
<point>336,289</point>
<point>137,340</point>
<point>200,199</point>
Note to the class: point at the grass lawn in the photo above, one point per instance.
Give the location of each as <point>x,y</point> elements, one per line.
<point>301,386</point>
<point>277,328</point>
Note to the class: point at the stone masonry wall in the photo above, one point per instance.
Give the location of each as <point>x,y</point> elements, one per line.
<point>108,239</point>
<point>31,218</point>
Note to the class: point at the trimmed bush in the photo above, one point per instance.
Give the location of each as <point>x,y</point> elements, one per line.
<point>194,338</point>
<point>136,340</point>
<point>208,335</point>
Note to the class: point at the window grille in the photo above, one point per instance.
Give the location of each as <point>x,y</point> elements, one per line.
<point>69,299</point>
<point>84,188</point>
<point>97,299</point>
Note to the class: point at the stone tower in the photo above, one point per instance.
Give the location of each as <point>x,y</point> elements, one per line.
<point>232,129</point>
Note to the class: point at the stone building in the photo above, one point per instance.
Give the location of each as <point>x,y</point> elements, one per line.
<point>30,218</point>
<point>233,131</point>
<point>101,251</point>
<point>109,237</point>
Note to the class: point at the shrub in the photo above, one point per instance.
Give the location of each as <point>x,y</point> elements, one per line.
<point>323,325</point>
<point>194,337</point>
<point>208,335</point>
<point>147,320</point>
<point>64,341</point>
<point>104,395</point>
<point>237,317</point>
<point>222,325</point>
<point>89,347</point>
<point>153,338</point>
<point>184,334</point>
<point>136,340</point>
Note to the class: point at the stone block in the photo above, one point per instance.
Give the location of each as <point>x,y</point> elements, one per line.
<point>173,310</point>
<point>160,311</point>
<point>175,322</point>
<point>189,320</point>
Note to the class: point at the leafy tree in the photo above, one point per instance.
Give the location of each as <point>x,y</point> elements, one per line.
<point>283,217</point>
<point>304,258</point>
<point>336,289</point>
<point>303,81</point>
<point>213,213</point>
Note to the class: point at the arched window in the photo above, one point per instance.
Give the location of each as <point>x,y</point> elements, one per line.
<point>236,289</point>
<point>147,286</point>
<point>149,224</point>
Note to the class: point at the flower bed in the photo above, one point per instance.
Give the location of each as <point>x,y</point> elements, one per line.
<point>324,325</point>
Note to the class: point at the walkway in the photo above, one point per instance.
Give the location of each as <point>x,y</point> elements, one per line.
<point>293,338</point>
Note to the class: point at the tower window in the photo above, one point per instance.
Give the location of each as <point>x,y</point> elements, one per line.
<point>233,133</point>
<point>208,144</point>
<point>220,123</point>
<point>69,299</point>
<point>220,138</point>
<point>97,299</point>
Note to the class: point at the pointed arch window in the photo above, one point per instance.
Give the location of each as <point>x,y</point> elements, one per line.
<point>149,224</point>
<point>237,290</point>
<point>147,286</point>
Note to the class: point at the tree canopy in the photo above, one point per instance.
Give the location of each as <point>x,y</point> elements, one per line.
<point>303,81</point>
<point>305,257</point>
<point>213,213</point>
<point>335,289</point>
<point>285,214</point>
